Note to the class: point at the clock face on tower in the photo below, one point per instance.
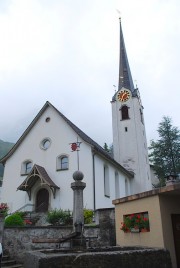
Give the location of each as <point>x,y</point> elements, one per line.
<point>123,95</point>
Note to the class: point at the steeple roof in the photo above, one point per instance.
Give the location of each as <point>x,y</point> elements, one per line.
<point>125,77</point>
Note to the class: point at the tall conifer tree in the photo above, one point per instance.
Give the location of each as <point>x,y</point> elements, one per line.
<point>165,152</point>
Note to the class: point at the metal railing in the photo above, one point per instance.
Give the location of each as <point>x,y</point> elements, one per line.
<point>24,208</point>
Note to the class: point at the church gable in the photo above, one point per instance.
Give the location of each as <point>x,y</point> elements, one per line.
<point>42,163</point>
<point>49,123</point>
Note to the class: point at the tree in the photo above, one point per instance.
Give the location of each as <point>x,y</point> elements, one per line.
<point>108,149</point>
<point>165,152</point>
<point>105,147</point>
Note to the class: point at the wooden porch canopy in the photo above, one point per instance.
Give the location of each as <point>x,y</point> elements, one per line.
<point>36,173</point>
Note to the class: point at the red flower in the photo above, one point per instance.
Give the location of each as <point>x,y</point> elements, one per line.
<point>27,222</point>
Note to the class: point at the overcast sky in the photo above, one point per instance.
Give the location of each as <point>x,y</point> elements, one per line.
<point>67,52</point>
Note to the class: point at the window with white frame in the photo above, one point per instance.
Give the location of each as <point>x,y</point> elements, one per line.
<point>106,181</point>
<point>62,162</point>
<point>117,192</point>
<point>26,167</point>
<point>126,187</point>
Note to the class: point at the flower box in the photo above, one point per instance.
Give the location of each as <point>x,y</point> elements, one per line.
<point>135,230</point>
<point>144,230</point>
<point>135,222</point>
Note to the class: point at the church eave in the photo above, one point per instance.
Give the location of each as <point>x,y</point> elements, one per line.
<point>107,157</point>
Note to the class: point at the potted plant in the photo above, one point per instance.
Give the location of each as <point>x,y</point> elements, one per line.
<point>4,209</point>
<point>145,225</point>
<point>135,223</point>
<point>125,226</point>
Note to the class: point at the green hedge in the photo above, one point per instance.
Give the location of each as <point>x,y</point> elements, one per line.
<point>14,220</point>
<point>59,217</point>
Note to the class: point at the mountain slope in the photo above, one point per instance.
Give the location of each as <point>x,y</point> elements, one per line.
<point>4,149</point>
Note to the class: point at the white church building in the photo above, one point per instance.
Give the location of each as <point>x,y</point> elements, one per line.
<point>39,168</point>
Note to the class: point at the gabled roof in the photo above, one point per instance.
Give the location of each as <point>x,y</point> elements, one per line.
<point>36,173</point>
<point>95,147</point>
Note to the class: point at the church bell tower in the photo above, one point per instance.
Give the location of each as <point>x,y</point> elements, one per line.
<point>129,136</point>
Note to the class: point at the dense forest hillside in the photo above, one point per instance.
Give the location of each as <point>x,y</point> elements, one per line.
<point>4,149</point>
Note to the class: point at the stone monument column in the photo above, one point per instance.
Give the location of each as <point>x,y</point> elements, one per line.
<point>78,187</point>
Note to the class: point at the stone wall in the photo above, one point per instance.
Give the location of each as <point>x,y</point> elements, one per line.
<point>18,240</point>
<point>107,257</point>
<point>106,220</point>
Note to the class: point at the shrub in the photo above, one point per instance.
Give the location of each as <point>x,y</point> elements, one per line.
<point>88,216</point>
<point>21,213</point>
<point>14,220</point>
<point>59,217</point>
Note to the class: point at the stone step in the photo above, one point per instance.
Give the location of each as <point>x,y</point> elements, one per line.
<point>12,266</point>
<point>7,262</point>
<point>37,218</point>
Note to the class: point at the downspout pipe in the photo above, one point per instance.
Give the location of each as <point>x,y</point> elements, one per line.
<point>94,183</point>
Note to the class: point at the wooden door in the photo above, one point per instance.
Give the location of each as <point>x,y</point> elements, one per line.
<point>176,233</point>
<point>42,200</point>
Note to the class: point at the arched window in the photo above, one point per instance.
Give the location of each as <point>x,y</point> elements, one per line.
<point>124,112</point>
<point>62,162</point>
<point>26,167</point>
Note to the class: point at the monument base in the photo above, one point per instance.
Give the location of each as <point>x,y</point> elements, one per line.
<point>78,242</point>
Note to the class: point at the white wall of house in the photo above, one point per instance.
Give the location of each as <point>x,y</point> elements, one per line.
<point>61,135</point>
<point>102,200</point>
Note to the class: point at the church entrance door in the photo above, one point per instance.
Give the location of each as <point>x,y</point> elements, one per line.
<point>42,200</point>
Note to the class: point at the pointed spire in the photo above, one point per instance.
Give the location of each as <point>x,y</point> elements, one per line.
<point>125,78</point>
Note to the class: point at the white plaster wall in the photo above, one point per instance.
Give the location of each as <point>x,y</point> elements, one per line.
<point>61,135</point>
<point>154,178</point>
<point>101,200</point>
<point>130,148</point>
<point>142,150</point>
